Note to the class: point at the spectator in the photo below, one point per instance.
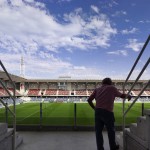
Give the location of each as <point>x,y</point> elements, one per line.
<point>105,96</point>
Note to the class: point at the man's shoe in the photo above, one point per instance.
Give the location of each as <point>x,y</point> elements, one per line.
<point>117,147</point>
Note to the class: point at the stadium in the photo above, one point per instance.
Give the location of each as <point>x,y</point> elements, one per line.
<point>64,94</point>
<point>61,104</point>
<point>54,57</point>
<point>48,106</point>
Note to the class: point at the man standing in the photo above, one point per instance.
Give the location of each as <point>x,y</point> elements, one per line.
<point>105,96</point>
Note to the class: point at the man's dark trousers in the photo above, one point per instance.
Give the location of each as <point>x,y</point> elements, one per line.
<point>104,117</point>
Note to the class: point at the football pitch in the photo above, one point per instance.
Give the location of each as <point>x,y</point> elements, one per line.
<point>63,114</point>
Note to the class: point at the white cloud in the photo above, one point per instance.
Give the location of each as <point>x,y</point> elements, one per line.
<point>47,66</point>
<point>144,21</point>
<point>112,3</point>
<point>147,21</point>
<point>29,1</point>
<point>79,68</point>
<point>16,2</point>
<point>127,20</point>
<point>118,52</point>
<point>64,1</point>
<point>134,45</point>
<point>119,13</point>
<point>82,72</point>
<point>33,32</point>
<point>36,66</point>
<point>20,3</point>
<point>27,28</point>
<point>133,4</point>
<point>95,9</point>
<point>141,21</point>
<point>115,2</point>
<point>126,31</point>
<point>144,76</point>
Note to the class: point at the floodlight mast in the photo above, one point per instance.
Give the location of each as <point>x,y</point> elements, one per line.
<point>22,66</point>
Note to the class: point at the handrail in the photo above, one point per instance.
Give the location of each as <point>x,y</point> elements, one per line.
<point>7,107</point>
<point>140,54</point>
<point>137,98</point>
<point>14,103</point>
<point>140,74</point>
<point>7,74</point>
<point>6,90</point>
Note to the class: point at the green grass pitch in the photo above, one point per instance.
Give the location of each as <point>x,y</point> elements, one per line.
<point>62,114</point>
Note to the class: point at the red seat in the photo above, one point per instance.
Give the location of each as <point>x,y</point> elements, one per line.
<point>33,92</point>
<point>51,92</point>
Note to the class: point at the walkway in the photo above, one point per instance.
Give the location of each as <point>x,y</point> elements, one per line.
<point>61,140</point>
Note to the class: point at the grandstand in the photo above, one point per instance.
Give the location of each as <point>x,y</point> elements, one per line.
<point>55,104</point>
<point>37,104</point>
<point>60,87</point>
<point>63,91</point>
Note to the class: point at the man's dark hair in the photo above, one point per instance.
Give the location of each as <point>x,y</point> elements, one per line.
<point>107,81</point>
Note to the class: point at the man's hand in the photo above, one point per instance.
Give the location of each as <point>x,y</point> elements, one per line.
<point>91,103</point>
<point>125,96</point>
<point>129,97</point>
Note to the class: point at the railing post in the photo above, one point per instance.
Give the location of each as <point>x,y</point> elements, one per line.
<point>40,114</point>
<point>14,104</point>
<point>75,115</point>
<point>14,122</point>
<point>123,124</point>
<point>142,109</point>
<point>131,71</point>
<point>136,98</point>
<point>6,113</point>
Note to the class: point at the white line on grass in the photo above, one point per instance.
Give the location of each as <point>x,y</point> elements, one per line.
<point>30,115</point>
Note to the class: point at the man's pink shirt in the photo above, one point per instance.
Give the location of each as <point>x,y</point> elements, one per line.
<point>105,96</point>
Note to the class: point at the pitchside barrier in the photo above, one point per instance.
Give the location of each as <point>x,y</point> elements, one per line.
<point>72,116</point>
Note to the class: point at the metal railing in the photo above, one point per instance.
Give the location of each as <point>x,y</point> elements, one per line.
<point>138,77</point>
<point>13,113</point>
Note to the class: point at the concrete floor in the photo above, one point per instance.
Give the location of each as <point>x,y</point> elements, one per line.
<point>60,140</point>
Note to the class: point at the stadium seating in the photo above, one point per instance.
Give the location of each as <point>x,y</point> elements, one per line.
<point>90,92</point>
<point>74,99</point>
<point>81,92</point>
<point>3,92</point>
<point>136,92</point>
<point>33,92</point>
<point>147,92</point>
<point>63,92</point>
<point>16,93</point>
<point>49,99</point>
<point>120,90</point>
<point>84,99</point>
<point>51,92</point>
<point>9,101</point>
<point>1,105</point>
<point>60,100</point>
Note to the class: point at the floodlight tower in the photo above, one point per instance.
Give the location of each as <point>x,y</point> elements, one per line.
<point>22,67</point>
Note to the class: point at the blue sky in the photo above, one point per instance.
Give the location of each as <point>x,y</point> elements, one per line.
<point>87,39</point>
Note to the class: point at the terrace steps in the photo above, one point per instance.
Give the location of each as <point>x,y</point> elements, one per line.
<point>137,136</point>
<point>6,137</point>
